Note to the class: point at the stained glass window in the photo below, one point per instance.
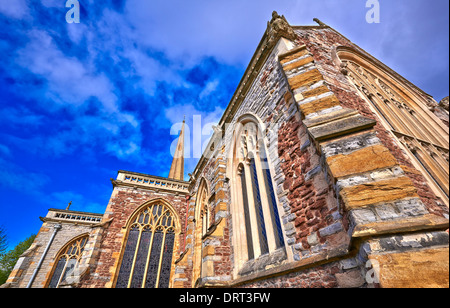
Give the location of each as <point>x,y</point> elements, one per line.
<point>68,259</point>
<point>147,255</point>
<point>255,195</point>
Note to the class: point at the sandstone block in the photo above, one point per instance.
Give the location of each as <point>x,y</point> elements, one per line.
<point>427,268</point>
<point>293,54</point>
<point>377,192</point>
<point>306,79</point>
<point>360,161</point>
<point>319,104</point>
<point>297,64</point>
<point>316,91</point>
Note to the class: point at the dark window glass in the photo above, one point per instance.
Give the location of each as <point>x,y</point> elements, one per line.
<point>259,211</point>
<point>248,232</point>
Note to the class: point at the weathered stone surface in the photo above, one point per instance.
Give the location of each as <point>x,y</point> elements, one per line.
<point>411,207</point>
<point>427,268</point>
<point>348,144</point>
<point>360,161</point>
<point>376,192</point>
<point>386,212</point>
<point>293,54</point>
<point>316,91</point>
<point>341,127</point>
<point>298,63</point>
<point>305,79</point>
<point>444,103</point>
<point>329,117</point>
<point>319,104</point>
<point>350,279</point>
<point>401,243</point>
<point>332,229</point>
<point>362,216</point>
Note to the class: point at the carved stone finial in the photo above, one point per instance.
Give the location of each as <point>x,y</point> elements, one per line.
<point>275,16</point>
<point>444,103</point>
<point>68,206</point>
<point>277,28</point>
<point>317,20</point>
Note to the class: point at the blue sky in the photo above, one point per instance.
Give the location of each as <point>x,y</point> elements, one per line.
<point>78,102</point>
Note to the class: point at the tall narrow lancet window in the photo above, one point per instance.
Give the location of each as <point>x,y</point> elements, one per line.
<point>254,200</point>
<point>67,260</point>
<point>261,226</point>
<point>407,113</point>
<point>271,199</point>
<point>203,221</point>
<point>245,211</point>
<point>147,254</point>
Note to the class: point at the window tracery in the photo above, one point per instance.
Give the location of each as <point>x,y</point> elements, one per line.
<point>147,255</point>
<point>258,220</point>
<point>67,260</point>
<point>407,116</point>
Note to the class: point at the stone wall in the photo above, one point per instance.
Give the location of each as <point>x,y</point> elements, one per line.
<point>320,43</point>
<point>124,201</point>
<point>65,234</point>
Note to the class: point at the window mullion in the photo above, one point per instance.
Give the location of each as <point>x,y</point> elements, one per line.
<point>148,258</point>
<point>160,258</point>
<point>134,258</point>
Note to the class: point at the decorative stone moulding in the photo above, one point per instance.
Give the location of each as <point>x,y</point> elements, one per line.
<point>371,185</point>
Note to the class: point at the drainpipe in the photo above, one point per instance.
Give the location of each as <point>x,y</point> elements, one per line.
<point>186,221</point>
<point>55,230</point>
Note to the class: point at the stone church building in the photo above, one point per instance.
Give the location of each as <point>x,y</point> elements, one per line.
<point>327,169</point>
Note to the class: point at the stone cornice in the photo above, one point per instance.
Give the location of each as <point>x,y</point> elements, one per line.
<point>149,182</point>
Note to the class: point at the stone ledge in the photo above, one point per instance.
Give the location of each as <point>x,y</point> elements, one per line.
<point>341,127</point>
<point>425,222</point>
<point>378,192</point>
<point>402,243</point>
<point>330,117</point>
<point>263,262</point>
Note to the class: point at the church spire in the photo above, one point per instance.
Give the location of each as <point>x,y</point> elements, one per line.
<point>177,168</point>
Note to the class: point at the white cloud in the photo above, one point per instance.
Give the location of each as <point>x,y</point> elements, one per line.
<point>225,29</point>
<point>72,83</point>
<point>14,8</point>
<point>69,80</point>
<point>210,87</point>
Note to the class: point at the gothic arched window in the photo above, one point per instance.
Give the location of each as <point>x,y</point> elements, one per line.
<point>257,221</point>
<point>68,258</point>
<point>406,112</point>
<point>147,254</point>
<point>202,223</point>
